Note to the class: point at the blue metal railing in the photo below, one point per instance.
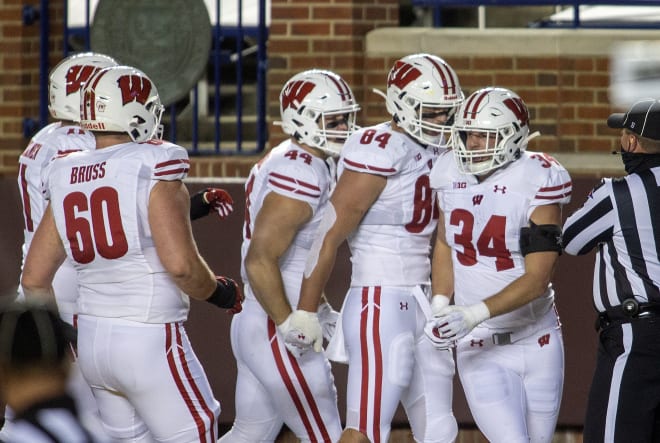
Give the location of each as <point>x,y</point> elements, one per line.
<point>437,6</point>
<point>218,58</point>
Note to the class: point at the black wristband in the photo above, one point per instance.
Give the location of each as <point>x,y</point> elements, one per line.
<point>224,295</point>
<point>198,207</point>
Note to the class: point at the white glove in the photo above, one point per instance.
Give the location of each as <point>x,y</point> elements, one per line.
<point>301,330</point>
<point>328,319</point>
<point>455,322</point>
<point>438,303</point>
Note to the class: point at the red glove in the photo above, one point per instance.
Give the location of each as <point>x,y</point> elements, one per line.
<point>219,200</point>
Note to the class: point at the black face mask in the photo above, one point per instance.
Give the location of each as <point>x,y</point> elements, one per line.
<point>639,162</point>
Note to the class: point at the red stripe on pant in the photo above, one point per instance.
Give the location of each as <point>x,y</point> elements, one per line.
<point>171,355</point>
<point>286,378</point>
<point>374,327</point>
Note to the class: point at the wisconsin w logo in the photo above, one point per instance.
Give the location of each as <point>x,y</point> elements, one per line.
<point>402,74</point>
<point>517,106</point>
<point>134,88</point>
<point>294,94</point>
<point>77,76</point>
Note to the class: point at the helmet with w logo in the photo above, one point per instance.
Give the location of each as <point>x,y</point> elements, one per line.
<point>491,130</point>
<point>121,99</point>
<point>318,109</point>
<point>67,79</point>
<point>419,84</point>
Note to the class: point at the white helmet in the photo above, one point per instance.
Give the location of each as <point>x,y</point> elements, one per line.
<point>306,102</point>
<point>67,79</point>
<point>498,115</point>
<point>422,83</point>
<point>121,99</point>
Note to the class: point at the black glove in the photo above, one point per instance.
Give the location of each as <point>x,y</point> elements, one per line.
<point>227,295</point>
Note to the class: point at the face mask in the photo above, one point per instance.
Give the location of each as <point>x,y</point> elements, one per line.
<point>639,162</point>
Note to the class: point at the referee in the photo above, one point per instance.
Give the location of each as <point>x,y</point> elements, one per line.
<point>34,369</point>
<point>621,220</point>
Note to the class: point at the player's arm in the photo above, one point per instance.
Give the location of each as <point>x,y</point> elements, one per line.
<point>44,258</point>
<point>169,219</point>
<point>539,262</point>
<point>353,196</point>
<point>442,269</point>
<point>276,225</point>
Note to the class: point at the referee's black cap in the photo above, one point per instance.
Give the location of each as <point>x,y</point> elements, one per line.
<point>643,118</point>
<point>31,335</point>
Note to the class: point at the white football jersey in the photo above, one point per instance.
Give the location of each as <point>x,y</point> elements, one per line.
<point>52,140</point>
<point>100,203</point>
<point>49,142</point>
<point>483,222</point>
<point>391,246</point>
<point>291,171</point>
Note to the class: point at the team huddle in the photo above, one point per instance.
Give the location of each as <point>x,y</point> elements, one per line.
<point>108,240</point>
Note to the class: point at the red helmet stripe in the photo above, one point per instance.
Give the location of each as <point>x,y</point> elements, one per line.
<point>448,80</point>
<point>342,87</point>
<point>472,105</point>
<point>92,98</point>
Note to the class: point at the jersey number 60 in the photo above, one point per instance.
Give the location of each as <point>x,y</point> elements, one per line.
<point>105,234</point>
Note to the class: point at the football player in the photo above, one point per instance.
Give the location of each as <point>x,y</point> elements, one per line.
<point>286,195</point>
<point>496,248</point>
<point>384,206</point>
<point>121,215</point>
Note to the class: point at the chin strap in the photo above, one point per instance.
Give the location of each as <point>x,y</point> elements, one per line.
<point>379,92</point>
<point>532,136</point>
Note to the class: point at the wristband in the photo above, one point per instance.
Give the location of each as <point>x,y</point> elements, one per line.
<point>199,207</point>
<point>224,295</point>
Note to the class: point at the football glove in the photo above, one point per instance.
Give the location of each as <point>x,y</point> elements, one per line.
<point>302,331</point>
<point>227,295</point>
<point>455,322</point>
<point>209,199</point>
<point>328,320</point>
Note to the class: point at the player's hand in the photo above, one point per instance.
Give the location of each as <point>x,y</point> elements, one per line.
<point>219,200</point>
<point>238,303</point>
<point>438,303</point>
<point>209,199</point>
<point>227,295</point>
<point>301,331</point>
<point>328,319</point>
<point>455,322</point>
<point>432,331</point>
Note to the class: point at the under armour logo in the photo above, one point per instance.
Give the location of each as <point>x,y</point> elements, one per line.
<point>498,188</point>
<point>479,343</point>
<point>403,306</point>
<point>476,200</point>
<point>418,157</point>
<point>301,336</point>
<point>544,340</point>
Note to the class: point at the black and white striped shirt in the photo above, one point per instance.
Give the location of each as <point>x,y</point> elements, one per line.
<point>621,218</point>
<point>51,421</point>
